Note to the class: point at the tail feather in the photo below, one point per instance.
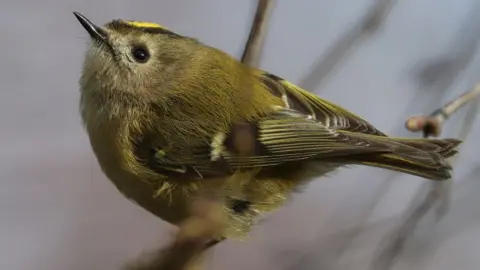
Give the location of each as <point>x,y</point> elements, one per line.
<point>445,147</point>
<point>421,157</point>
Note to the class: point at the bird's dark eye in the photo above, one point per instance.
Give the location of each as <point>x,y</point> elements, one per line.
<point>140,54</point>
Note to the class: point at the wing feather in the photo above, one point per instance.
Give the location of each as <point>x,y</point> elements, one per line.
<point>331,115</point>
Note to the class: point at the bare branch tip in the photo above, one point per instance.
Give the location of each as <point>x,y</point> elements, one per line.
<point>431,126</point>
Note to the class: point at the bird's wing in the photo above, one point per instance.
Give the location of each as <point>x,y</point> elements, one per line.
<point>281,137</point>
<point>288,135</point>
<point>331,115</point>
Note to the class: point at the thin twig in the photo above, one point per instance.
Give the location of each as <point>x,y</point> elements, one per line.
<point>369,24</point>
<point>253,46</point>
<point>432,125</point>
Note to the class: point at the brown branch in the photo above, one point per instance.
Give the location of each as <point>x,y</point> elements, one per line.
<point>253,46</point>
<point>177,256</point>
<point>191,242</point>
<point>432,125</point>
<point>369,24</point>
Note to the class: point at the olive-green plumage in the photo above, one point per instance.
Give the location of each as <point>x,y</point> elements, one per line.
<point>168,116</point>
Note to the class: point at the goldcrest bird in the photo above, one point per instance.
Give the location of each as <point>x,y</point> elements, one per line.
<point>168,116</point>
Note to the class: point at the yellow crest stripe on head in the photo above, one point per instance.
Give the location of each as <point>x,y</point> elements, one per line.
<point>144,24</point>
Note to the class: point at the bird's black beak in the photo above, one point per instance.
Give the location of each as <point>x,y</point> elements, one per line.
<point>95,32</point>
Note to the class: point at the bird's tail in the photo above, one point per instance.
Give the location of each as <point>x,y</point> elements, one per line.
<point>421,157</point>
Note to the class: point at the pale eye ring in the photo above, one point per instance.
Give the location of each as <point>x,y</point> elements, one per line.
<point>140,54</point>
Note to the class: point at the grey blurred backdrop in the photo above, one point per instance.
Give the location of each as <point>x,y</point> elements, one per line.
<point>59,212</point>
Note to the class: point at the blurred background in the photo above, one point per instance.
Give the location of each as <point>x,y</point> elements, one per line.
<point>59,212</point>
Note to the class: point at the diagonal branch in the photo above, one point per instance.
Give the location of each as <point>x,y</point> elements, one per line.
<point>189,246</point>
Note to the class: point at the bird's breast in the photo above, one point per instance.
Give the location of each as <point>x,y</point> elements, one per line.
<point>111,142</point>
